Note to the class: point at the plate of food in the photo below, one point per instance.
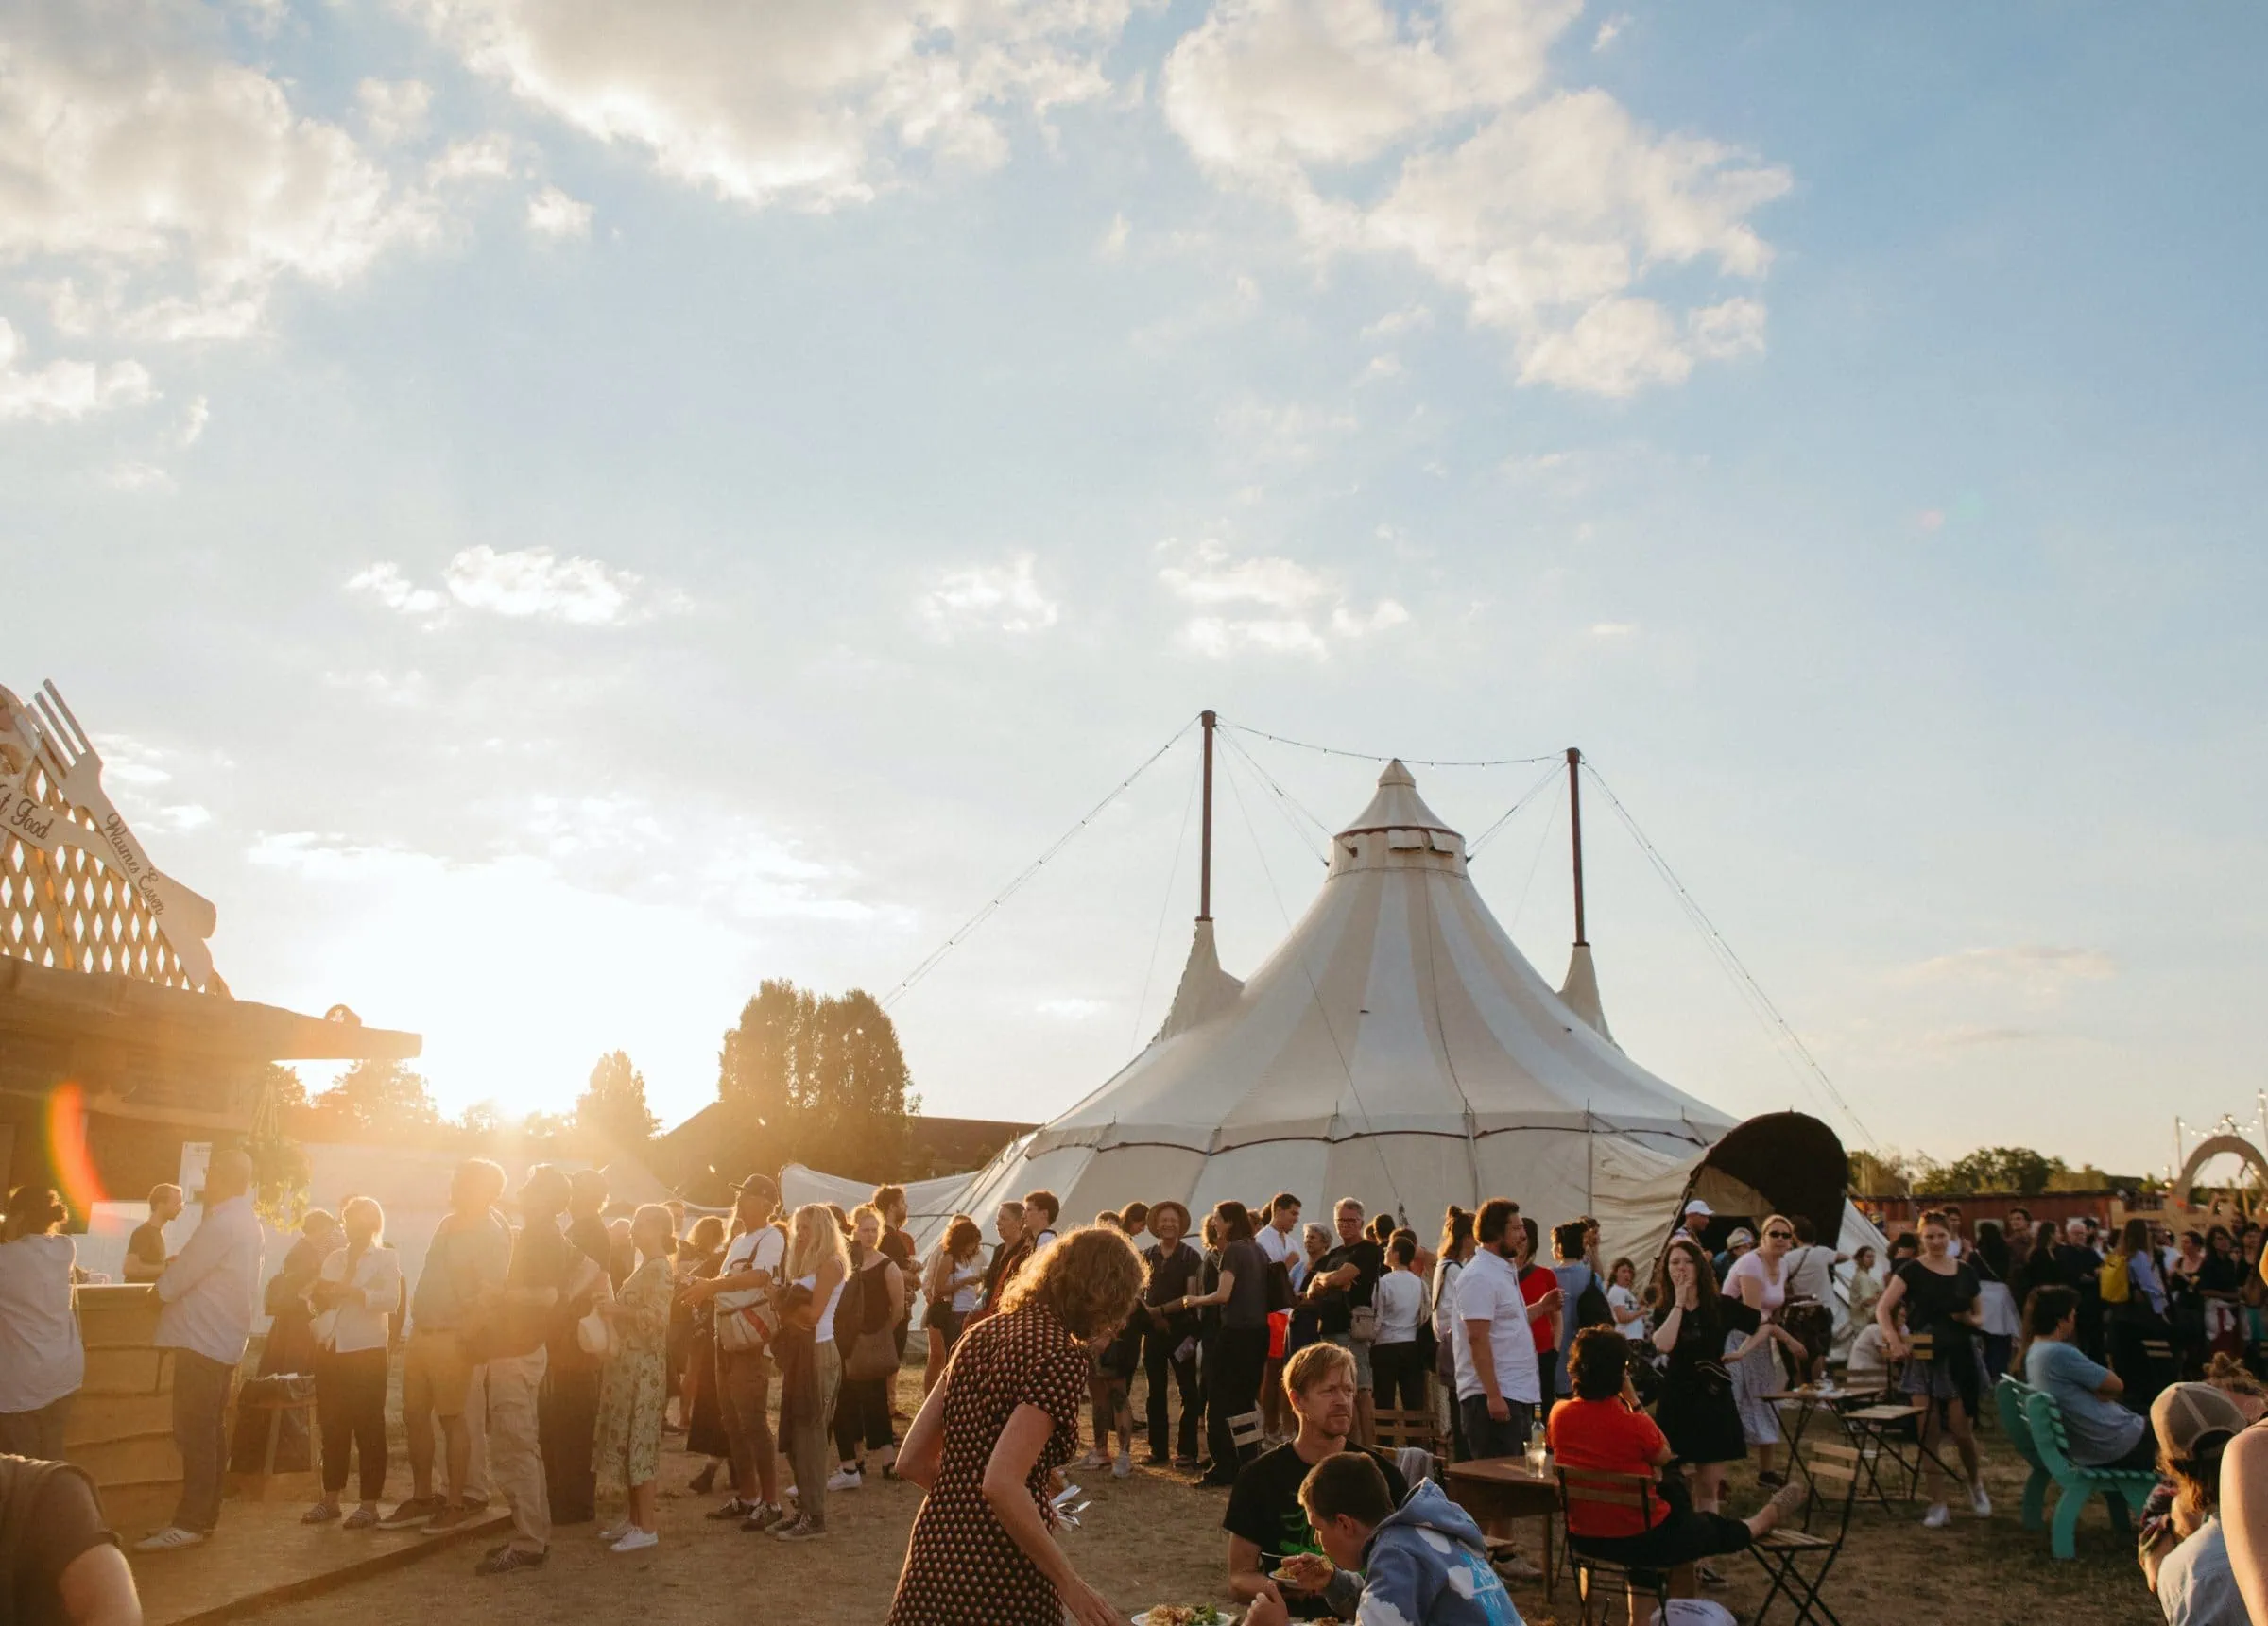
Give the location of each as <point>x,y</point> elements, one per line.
<point>1185,1615</point>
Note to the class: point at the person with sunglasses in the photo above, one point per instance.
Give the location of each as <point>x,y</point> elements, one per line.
<point>1758,1279</point>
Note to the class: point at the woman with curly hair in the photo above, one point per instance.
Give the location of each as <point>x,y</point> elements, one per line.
<point>1004,1417</point>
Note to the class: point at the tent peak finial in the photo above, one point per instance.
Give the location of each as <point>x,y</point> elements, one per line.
<point>1397,775</point>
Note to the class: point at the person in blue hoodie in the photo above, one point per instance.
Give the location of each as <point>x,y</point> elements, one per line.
<point>1424,1564</point>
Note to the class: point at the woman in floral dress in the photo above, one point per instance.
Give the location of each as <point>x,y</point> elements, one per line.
<point>1006,1414</point>
<point>635,1386</point>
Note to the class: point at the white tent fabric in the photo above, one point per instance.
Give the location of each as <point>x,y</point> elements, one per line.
<point>1396,1048</point>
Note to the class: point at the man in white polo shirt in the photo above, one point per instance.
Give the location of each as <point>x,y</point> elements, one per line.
<point>209,1291</point>
<point>1498,1385</point>
<point>1279,1244</point>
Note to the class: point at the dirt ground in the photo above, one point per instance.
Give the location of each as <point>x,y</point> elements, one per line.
<point>1152,1539</point>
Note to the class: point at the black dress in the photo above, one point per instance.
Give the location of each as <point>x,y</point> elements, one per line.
<point>1697,1411</point>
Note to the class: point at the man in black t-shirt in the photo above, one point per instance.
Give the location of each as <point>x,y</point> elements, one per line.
<point>1265,1522</point>
<point>1171,1269</point>
<point>145,1248</point>
<point>1341,1284</point>
<point>63,1567</point>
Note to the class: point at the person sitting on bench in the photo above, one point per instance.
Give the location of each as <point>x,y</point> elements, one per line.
<point>1603,1431</point>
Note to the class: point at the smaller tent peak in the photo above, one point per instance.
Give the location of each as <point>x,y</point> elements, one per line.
<point>1396,805</point>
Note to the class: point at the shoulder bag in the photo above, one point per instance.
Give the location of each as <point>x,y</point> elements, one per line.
<point>751,1329</point>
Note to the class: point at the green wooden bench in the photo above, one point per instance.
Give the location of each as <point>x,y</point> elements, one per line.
<point>2009,1395</point>
<point>2123,1489</point>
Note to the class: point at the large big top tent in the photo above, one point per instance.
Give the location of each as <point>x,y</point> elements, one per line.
<point>1396,1048</point>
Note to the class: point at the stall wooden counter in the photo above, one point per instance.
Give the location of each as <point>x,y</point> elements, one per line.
<point>121,1424</point>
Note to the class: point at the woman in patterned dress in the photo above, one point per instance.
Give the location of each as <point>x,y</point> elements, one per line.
<point>1003,1419</point>
<point>635,1385</point>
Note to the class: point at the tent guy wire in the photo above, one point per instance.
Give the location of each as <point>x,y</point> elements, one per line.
<point>1376,757</point>
<point>930,961</point>
<point>1743,978</point>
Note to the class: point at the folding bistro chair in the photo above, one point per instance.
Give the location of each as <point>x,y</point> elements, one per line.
<point>1596,1490</point>
<point>1398,1429</point>
<point>1783,1552</point>
<point>1247,1432</point>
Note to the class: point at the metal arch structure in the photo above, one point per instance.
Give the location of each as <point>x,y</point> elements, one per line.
<point>2212,1147</point>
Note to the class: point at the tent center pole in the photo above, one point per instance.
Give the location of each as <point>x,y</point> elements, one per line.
<point>1205,837</point>
<point>1575,809</point>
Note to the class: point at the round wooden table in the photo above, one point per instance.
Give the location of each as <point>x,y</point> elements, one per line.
<point>1499,1490</point>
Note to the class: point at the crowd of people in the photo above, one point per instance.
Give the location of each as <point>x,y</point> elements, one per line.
<point>544,1356</point>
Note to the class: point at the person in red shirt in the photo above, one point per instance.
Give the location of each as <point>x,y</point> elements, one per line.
<point>1540,1289</point>
<point>1603,1428</point>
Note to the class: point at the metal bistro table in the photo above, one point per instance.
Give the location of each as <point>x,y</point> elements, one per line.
<point>1499,1490</point>
<point>1806,1401</point>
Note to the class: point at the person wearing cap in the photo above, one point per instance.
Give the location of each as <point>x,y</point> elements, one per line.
<point>743,1283</point>
<point>1741,1241</point>
<point>2193,1424</point>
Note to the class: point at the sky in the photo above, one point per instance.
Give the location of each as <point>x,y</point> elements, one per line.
<point>555,512</point>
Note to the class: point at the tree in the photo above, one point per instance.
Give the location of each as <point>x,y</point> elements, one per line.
<point>823,1076</point>
<point>2014,1171</point>
<point>375,1098</point>
<point>614,1105</point>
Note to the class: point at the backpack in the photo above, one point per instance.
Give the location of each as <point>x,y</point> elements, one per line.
<point>2116,1286</point>
<point>1591,1308</point>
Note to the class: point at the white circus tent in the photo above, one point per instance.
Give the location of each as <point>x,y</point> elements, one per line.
<point>1396,1048</point>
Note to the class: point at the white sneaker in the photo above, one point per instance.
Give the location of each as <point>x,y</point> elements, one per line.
<point>614,1533</point>
<point>845,1479</point>
<point>1124,1467</point>
<point>171,1539</point>
<point>636,1540</point>
<point>1937,1518</point>
<point>1979,1503</point>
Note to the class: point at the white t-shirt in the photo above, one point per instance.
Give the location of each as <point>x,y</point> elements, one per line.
<point>966,1283</point>
<point>1446,1272</point>
<point>42,1359</point>
<point>1040,1243</point>
<point>1810,1272</point>
<point>1399,1300</point>
<point>2196,1587</point>
<point>1620,1297</point>
<point>762,1249</point>
<point>1488,1289</point>
<point>826,1331</point>
<point>1281,1247</point>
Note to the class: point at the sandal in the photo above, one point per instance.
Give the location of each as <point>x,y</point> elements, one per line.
<point>361,1518</point>
<point>322,1513</point>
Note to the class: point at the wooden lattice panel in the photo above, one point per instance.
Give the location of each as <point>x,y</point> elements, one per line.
<point>64,910</point>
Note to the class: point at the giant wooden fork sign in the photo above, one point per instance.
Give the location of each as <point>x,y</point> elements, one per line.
<point>51,737</point>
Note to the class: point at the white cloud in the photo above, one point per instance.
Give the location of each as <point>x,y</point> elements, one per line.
<point>1381,367</point>
<point>1274,605</point>
<point>134,476</point>
<point>1614,629</point>
<point>393,110</point>
<point>486,157</point>
<point>385,583</point>
<point>1416,319</point>
<point>1071,1009</point>
<point>1113,246</point>
<point>199,413</point>
<point>536,582</point>
<point>521,583</point>
<point>186,816</point>
<point>1278,432</point>
<point>2030,963</point>
<point>816,104</point>
<point>554,215</point>
<point>1547,209</point>
<point>159,190</point>
<point>991,598</point>
<point>1610,30</point>
<point>64,390</point>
